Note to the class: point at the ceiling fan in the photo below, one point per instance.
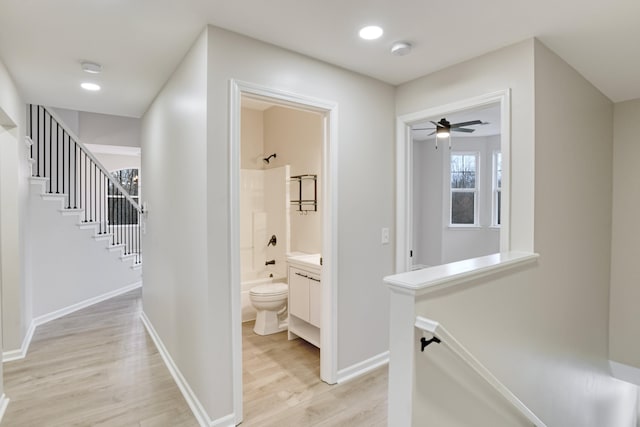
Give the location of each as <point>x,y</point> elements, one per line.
<point>443,128</point>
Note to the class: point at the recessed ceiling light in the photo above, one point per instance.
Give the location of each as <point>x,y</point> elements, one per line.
<point>91,67</point>
<point>90,86</point>
<point>371,32</point>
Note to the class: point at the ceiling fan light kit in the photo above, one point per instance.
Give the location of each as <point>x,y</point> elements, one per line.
<point>443,128</point>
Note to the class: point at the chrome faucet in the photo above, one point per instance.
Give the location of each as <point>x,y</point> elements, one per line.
<point>272,262</point>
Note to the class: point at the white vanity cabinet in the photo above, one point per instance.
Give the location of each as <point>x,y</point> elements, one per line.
<point>304,301</point>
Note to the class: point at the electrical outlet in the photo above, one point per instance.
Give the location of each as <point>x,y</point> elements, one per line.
<point>385,236</point>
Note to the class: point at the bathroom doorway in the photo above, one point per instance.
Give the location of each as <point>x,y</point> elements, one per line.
<point>453,182</point>
<point>282,176</point>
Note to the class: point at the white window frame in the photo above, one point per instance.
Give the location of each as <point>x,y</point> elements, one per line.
<point>475,190</point>
<point>495,190</point>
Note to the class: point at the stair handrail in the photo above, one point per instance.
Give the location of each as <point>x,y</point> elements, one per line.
<point>89,154</point>
<point>442,336</point>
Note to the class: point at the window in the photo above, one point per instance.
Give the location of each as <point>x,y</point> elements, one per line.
<point>497,188</point>
<point>120,210</point>
<point>464,189</point>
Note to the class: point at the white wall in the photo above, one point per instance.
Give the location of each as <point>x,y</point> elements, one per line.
<point>70,118</point>
<point>72,266</point>
<point>366,178</point>
<point>552,317</point>
<point>428,185</point>
<point>106,129</point>
<point>177,285</point>
<point>624,324</point>
<point>14,262</point>
<point>185,135</point>
<point>296,136</point>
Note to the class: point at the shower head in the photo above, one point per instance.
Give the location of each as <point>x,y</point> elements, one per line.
<point>266,159</point>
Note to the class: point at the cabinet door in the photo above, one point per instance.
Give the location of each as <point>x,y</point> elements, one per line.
<point>298,294</point>
<point>315,301</point>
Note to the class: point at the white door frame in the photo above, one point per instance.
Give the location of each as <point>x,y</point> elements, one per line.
<point>404,168</point>
<point>329,179</point>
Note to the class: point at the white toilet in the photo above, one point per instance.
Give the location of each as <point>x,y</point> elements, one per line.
<point>270,301</point>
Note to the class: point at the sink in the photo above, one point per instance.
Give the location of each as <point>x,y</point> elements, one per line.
<point>305,260</point>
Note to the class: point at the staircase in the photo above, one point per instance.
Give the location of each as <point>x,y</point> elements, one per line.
<point>66,172</point>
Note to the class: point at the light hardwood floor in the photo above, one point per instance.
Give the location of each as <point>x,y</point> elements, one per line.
<point>95,367</point>
<point>282,387</point>
<point>98,367</point>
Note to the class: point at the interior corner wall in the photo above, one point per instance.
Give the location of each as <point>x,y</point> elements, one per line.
<point>365,198</point>
<point>551,316</point>
<point>624,323</point>
<point>573,237</point>
<point>14,234</point>
<point>176,283</point>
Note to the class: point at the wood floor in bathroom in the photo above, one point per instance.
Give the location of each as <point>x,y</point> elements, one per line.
<point>282,387</point>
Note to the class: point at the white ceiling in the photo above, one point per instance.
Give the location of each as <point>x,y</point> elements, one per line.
<point>140,42</point>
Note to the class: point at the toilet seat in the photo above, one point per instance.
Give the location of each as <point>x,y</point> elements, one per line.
<point>270,290</point>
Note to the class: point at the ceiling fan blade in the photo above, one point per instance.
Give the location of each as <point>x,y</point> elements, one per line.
<point>438,125</point>
<point>465,130</point>
<point>432,133</point>
<point>469,123</point>
<point>422,128</point>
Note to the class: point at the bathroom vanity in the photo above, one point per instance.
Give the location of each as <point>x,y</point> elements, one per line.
<point>305,296</point>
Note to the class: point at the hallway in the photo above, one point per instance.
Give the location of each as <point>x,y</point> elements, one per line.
<point>98,367</point>
<point>95,367</point>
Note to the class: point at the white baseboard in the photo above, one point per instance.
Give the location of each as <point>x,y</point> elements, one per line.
<point>4,402</point>
<point>228,421</point>
<point>40,320</point>
<point>363,367</point>
<point>623,372</point>
<point>192,400</point>
<point>21,353</point>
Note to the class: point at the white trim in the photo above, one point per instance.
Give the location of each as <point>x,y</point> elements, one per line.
<point>465,356</point>
<point>40,320</point>
<point>21,353</point>
<point>192,400</point>
<point>363,367</point>
<point>431,279</point>
<point>404,167</point>
<point>329,335</point>
<point>628,373</point>
<point>4,402</point>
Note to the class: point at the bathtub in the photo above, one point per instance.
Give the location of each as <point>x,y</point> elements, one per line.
<point>248,282</point>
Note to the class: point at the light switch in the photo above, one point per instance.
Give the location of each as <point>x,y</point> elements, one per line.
<point>385,236</point>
